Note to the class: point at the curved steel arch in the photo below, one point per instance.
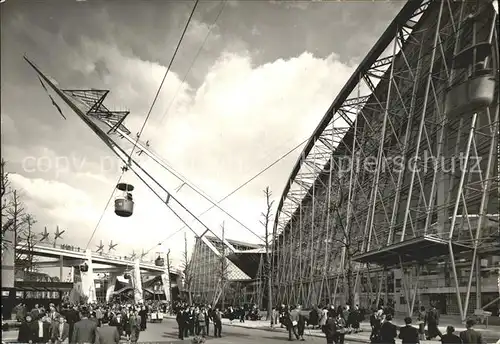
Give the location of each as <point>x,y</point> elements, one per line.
<point>403,19</point>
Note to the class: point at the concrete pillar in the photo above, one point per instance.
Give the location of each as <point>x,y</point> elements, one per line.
<point>165,279</point>
<point>111,285</point>
<point>137,282</point>
<point>61,268</point>
<point>8,257</point>
<point>88,287</point>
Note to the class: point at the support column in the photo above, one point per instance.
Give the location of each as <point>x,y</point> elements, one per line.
<point>137,282</point>
<point>88,286</point>
<point>61,268</point>
<point>165,279</point>
<point>479,301</point>
<point>8,259</point>
<point>111,285</point>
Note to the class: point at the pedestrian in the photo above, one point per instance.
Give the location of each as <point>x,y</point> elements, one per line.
<point>292,323</point>
<point>135,326</point>
<point>450,337</point>
<point>388,331</point>
<point>217,317</point>
<point>421,323</point>
<point>85,329</point>
<point>301,323</point>
<point>341,329</point>
<point>201,323</point>
<point>208,316</point>
<point>27,329</point>
<point>409,334</point>
<point>330,328</point>
<point>186,316</point>
<point>106,334</point>
<point>471,336</point>
<point>59,330</point>
<point>432,321</point>
<point>180,323</point>
<point>143,313</point>
<point>274,317</point>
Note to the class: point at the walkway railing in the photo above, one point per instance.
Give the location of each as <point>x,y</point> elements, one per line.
<point>94,253</point>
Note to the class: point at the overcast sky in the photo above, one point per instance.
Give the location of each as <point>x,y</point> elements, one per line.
<point>263,79</point>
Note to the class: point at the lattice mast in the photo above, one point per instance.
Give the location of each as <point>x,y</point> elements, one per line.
<point>109,126</point>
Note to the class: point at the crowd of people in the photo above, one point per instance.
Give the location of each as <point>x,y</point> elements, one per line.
<point>105,323</point>
<point>384,331</point>
<point>335,323</point>
<point>194,320</point>
<point>99,323</point>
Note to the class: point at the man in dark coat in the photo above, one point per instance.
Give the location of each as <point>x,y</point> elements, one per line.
<point>208,316</point>
<point>217,318</point>
<point>471,336</point>
<point>186,317</point>
<point>107,334</point>
<point>330,328</point>
<point>72,317</point>
<point>450,337</point>
<point>42,330</point>
<point>409,334</point>
<point>432,321</point>
<point>143,313</point>
<point>180,322</point>
<point>85,329</point>
<point>388,331</point>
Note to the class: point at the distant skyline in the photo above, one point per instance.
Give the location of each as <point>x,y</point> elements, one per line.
<point>261,81</point>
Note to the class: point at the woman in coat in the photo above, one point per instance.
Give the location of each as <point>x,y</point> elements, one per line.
<point>134,326</point>
<point>26,331</point>
<point>313,317</point>
<point>324,317</point>
<point>421,322</point>
<point>341,329</point>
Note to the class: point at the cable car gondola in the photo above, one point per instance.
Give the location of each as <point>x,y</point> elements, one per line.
<point>159,261</point>
<point>124,204</point>
<point>84,267</point>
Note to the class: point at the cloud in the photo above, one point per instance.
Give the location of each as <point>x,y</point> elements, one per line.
<point>240,118</point>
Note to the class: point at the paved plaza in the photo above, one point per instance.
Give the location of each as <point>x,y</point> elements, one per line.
<point>258,332</point>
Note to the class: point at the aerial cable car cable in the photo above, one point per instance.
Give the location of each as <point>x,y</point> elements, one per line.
<point>104,210</point>
<point>170,195</point>
<point>238,188</point>
<point>164,77</point>
<point>194,60</point>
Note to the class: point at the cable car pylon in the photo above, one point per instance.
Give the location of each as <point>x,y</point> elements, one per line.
<point>88,105</point>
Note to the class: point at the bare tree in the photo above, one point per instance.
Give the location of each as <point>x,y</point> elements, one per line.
<point>223,271</point>
<point>4,182</point>
<point>25,259</point>
<point>5,192</point>
<point>16,220</point>
<point>267,261</point>
<point>349,243</point>
<point>188,270</point>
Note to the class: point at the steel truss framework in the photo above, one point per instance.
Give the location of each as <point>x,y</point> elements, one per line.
<point>390,175</point>
<point>212,277</point>
<point>109,126</point>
